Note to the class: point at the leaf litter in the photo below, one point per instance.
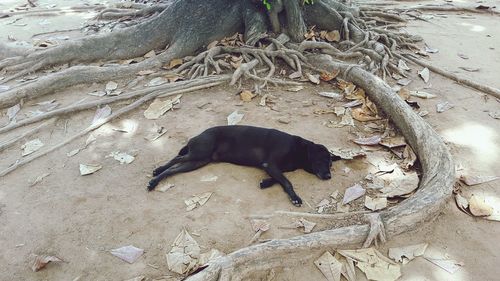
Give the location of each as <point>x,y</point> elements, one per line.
<point>185,255</point>
<point>155,132</point>
<point>129,253</point>
<point>474,180</point>
<point>40,261</point>
<point>352,193</point>
<point>424,74</point>
<point>39,179</point>
<point>197,200</point>
<point>87,169</point>
<point>329,266</point>
<point>122,157</point>
<point>407,253</point>
<point>375,265</point>
<point>159,107</point>
<point>31,146</point>
<point>375,204</point>
<point>234,118</point>
<point>101,113</point>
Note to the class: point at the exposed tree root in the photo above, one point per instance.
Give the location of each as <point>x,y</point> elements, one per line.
<point>8,143</point>
<point>116,13</point>
<point>451,8</point>
<point>480,87</point>
<point>103,121</point>
<point>71,109</point>
<point>40,12</point>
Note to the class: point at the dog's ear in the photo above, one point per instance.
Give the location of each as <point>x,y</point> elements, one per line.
<point>335,157</point>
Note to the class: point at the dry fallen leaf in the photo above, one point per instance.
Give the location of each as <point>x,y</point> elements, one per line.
<point>404,81</point>
<point>128,253</point>
<point>87,169</point>
<point>234,118</point>
<point>175,62</point>
<point>443,106</point>
<point>313,78</point>
<point>158,107</point>
<point>375,265</point>
<point>402,65</point>
<point>197,200</point>
<point>347,154</point>
<point>307,225</point>
<point>478,207</point>
<point>122,157</point>
<point>392,142</point>
<point>424,74</point>
<point>31,146</point>
<point>364,115</point>
<point>40,261</point>
<point>101,113</point>
<point>353,193</point>
<point>407,253</point>
<point>247,95</point>
<point>327,76</point>
<point>157,81</point>
<point>332,95</point>
<point>111,86</point>
<point>333,36</point>
<point>373,140</point>
<point>184,255</point>
<point>329,266</point>
<point>399,183</point>
<point>409,157</point>
<point>462,203</point>
<point>473,180</point>
<point>375,204</point>
<point>421,94</point>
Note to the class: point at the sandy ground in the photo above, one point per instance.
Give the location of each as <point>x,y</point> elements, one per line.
<point>80,218</point>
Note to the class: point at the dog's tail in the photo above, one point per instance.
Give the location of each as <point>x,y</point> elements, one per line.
<point>184,151</point>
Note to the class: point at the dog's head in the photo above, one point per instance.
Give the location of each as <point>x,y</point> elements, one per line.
<point>320,161</point>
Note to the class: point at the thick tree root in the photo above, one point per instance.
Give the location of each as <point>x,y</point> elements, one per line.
<point>434,189</point>
<point>377,230</point>
<point>450,8</point>
<point>116,13</point>
<point>103,121</point>
<point>480,87</point>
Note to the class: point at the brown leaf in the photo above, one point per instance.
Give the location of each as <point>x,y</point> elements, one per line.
<point>246,96</point>
<point>40,262</point>
<point>342,84</point>
<point>333,36</point>
<point>362,115</point>
<point>175,62</point>
<point>409,157</point>
<point>404,93</point>
<point>327,76</point>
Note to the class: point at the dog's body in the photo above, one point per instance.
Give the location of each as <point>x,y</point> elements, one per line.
<point>271,150</point>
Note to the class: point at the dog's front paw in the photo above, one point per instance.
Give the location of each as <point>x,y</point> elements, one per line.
<point>296,201</point>
<point>152,184</point>
<point>266,183</point>
<point>157,171</point>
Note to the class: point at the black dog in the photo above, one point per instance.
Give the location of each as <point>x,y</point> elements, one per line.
<point>271,150</point>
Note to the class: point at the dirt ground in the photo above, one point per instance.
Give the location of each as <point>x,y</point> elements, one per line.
<point>80,218</point>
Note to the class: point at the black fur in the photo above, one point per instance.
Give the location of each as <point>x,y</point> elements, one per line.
<point>271,150</point>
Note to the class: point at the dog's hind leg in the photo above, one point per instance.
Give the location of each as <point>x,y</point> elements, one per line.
<point>266,183</point>
<point>181,157</point>
<point>277,175</point>
<point>180,168</point>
